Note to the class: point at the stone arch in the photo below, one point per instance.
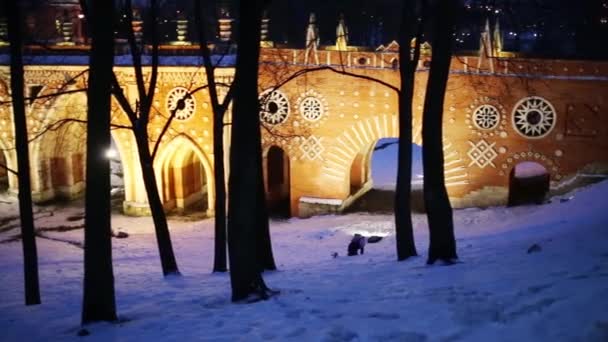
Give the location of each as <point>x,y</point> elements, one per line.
<point>7,180</point>
<point>551,165</point>
<point>59,155</point>
<point>126,164</point>
<point>360,169</point>
<point>182,151</point>
<point>7,155</point>
<point>364,133</point>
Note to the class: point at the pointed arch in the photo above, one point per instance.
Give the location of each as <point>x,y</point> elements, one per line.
<point>180,151</point>
<point>58,155</point>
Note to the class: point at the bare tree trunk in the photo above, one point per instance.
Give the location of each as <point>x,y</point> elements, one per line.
<point>439,211</point>
<point>219,260</point>
<point>161,228</point>
<point>99,300</point>
<point>246,197</point>
<point>140,118</point>
<point>265,255</point>
<point>28,235</point>
<point>404,231</point>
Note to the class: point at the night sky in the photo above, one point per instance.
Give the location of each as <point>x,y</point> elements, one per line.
<point>544,28</point>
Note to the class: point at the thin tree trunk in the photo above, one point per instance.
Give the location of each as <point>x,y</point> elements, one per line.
<point>245,201</point>
<point>266,258</point>
<point>404,230</point>
<point>99,301</point>
<point>219,260</point>
<point>439,211</point>
<point>161,228</point>
<point>28,235</point>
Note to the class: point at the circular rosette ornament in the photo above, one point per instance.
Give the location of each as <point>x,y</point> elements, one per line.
<point>486,117</point>
<point>534,117</point>
<point>181,102</point>
<point>274,107</point>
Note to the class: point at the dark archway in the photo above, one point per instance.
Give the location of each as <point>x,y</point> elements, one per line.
<point>528,184</point>
<point>278,196</point>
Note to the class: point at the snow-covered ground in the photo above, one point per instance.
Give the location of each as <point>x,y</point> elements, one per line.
<point>499,292</point>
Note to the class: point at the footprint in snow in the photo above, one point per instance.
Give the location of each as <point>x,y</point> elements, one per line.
<point>384,315</point>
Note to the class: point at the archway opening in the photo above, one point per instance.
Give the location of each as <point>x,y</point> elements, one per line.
<point>184,184</point>
<point>360,172</point>
<point>278,197</point>
<point>117,183</point>
<point>528,184</point>
<point>60,155</point>
<point>374,173</point>
<point>3,173</point>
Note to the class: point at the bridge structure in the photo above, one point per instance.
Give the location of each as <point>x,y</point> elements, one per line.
<point>320,121</point>
<point>498,113</point>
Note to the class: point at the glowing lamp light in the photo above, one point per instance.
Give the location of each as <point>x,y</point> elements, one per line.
<point>111,153</point>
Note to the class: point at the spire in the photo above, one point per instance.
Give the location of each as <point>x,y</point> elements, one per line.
<point>485,47</point>
<point>312,39</point>
<point>497,40</point>
<point>485,43</point>
<point>341,34</point>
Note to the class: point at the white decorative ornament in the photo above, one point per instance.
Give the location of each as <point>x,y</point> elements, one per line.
<point>534,117</point>
<point>312,147</point>
<point>275,107</point>
<point>311,108</point>
<point>180,101</point>
<point>486,117</point>
<point>482,154</point>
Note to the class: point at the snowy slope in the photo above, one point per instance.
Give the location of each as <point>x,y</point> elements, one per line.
<point>498,293</point>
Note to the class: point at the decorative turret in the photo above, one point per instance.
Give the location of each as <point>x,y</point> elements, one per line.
<point>264,32</point>
<point>138,26</point>
<point>181,28</point>
<point>225,25</point>
<point>66,26</point>
<point>3,32</point>
<point>68,21</point>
